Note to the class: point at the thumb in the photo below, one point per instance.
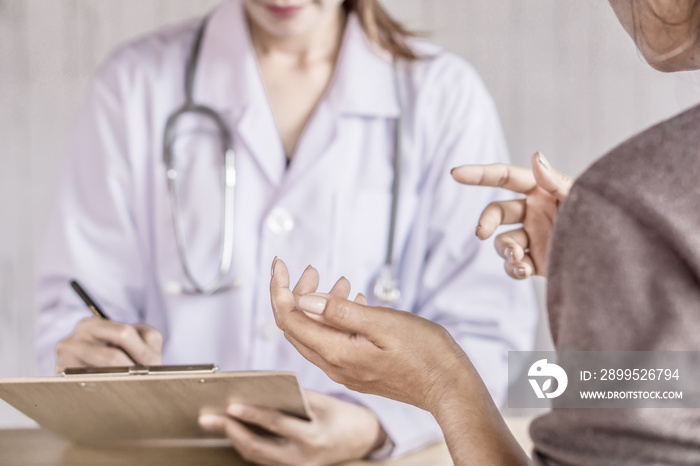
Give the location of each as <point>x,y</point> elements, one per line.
<point>341,314</point>
<point>555,183</point>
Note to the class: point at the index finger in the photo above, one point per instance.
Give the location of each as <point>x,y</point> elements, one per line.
<point>127,338</point>
<point>499,175</point>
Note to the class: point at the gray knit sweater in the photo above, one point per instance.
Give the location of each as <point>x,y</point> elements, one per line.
<point>624,274</point>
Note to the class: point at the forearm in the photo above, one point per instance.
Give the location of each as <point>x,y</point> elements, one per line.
<point>472,424</point>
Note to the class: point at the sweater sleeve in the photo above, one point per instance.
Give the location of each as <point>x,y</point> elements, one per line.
<point>618,283</point>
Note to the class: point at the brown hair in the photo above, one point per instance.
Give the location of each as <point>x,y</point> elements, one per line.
<point>381,28</point>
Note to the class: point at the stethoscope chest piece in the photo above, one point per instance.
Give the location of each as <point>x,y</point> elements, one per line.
<point>386,290</point>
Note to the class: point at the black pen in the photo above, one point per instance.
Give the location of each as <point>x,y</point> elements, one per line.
<point>88,300</point>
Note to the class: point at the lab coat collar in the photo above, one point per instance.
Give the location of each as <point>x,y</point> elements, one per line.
<point>228,79</point>
<point>363,83</point>
<point>227,72</point>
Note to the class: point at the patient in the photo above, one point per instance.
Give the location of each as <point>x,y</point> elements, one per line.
<point>624,274</point>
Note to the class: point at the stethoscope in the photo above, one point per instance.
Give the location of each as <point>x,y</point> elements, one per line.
<point>386,288</point>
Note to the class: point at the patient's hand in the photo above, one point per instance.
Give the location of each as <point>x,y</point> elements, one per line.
<point>100,342</point>
<point>524,249</point>
<point>398,355</point>
<point>376,350</point>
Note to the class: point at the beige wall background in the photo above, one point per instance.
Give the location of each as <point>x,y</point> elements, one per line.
<point>566,79</point>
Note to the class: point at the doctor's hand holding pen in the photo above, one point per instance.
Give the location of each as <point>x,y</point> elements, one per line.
<point>524,249</point>
<point>98,341</point>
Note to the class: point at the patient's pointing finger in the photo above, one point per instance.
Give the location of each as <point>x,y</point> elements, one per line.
<point>516,179</point>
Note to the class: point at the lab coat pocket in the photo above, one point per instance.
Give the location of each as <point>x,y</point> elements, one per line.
<point>200,329</point>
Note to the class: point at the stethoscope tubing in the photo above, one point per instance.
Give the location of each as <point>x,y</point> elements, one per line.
<point>189,107</point>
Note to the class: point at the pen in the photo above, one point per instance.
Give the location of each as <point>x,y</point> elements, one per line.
<point>88,301</point>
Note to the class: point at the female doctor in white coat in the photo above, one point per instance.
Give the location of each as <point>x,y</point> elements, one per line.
<point>324,103</point>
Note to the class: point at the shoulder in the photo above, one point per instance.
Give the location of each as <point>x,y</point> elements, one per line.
<point>652,181</point>
<point>447,85</point>
<point>444,71</point>
<point>633,219</point>
<point>438,63</point>
<point>653,171</point>
<point>148,55</point>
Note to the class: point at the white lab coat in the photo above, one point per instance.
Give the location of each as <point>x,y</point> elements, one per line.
<point>112,227</point>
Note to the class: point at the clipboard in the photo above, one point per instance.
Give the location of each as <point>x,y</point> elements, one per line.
<point>96,406</point>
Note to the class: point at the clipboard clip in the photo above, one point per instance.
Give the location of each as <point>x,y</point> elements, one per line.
<point>139,370</point>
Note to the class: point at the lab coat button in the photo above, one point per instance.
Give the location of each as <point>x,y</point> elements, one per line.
<point>270,332</point>
<point>172,287</point>
<point>280,221</point>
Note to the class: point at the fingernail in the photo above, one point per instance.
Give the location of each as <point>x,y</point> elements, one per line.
<point>235,410</point>
<point>543,161</point>
<point>312,303</point>
<point>209,421</point>
<point>453,170</point>
<point>274,262</point>
<point>510,254</point>
<point>521,272</point>
<point>476,232</point>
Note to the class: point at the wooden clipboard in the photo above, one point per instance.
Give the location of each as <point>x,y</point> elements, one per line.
<point>140,403</point>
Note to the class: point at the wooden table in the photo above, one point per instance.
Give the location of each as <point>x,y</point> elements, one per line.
<point>35,447</point>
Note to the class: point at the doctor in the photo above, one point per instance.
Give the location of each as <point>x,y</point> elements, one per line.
<point>170,217</point>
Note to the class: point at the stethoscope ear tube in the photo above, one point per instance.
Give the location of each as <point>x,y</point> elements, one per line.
<point>191,65</point>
